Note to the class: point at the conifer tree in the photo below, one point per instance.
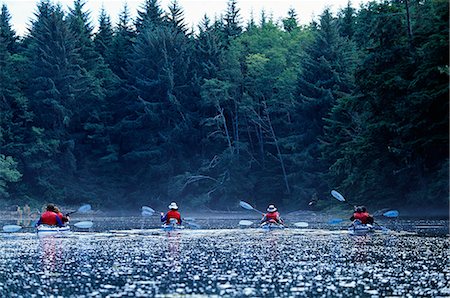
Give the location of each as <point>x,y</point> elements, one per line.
<point>290,23</point>
<point>103,39</point>
<point>150,15</point>
<point>7,34</point>
<point>122,44</point>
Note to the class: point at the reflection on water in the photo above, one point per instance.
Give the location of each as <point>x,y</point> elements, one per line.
<point>51,254</point>
<point>230,262</point>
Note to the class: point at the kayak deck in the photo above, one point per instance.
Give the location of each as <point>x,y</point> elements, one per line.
<point>172,227</point>
<point>45,230</point>
<point>271,226</point>
<point>360,229</point>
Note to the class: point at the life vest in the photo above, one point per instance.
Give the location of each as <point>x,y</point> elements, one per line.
<point>173,214</point>
<point>49,218</point>
<point>273,216</point>
<point>362,216</point>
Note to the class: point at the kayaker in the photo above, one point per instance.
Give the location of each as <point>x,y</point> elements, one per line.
<point>64,218</point>
<point>272,216</point>
<point>171,214</point>
<point>50,217</point>
<point>362,215</point>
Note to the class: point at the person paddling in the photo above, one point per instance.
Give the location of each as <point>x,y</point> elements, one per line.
<point>171,214</point>
<point>64,218</point>
<point>362,215</point>
<point>50,217</point>
<point>272,216</point>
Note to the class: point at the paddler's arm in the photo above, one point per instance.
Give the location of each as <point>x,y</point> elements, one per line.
<point>58,221</point>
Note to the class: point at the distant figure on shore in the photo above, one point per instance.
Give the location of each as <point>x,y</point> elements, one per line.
<point>50,217</point>
<point>171,214</point>
<point>26,210</point>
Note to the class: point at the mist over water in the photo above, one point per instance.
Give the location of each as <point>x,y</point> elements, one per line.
<point>132,256</point>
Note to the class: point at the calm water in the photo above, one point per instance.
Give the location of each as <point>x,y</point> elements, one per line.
<point>132,257</point>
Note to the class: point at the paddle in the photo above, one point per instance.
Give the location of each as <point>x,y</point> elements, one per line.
<point>192,225</point>
<point>83,209</point>
<point>301,224</point>
<point>249,207</point>
<point>245,222</point>
<point>148,211</point>
<point>391,213</point>
<point>84,224</point>
<point>335,221</point>
<point>11,228</point>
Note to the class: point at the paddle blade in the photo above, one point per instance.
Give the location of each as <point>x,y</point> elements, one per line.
<point>391,213</point>
<point>245,222</point>
<point>301,224</point>
<point>335,221</point>
<point>11,228</point>
<point>84,224</point>
<point>84,208</point>
<point>245,205</point>
<point>145,213</point>
<point>147,209</point>
<point>193,225</point>
<point>338,196</point>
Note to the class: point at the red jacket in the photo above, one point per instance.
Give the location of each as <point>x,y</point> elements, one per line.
<point>171,214</point>
<point>272,217</point>
<point>364,217</point>
<point>50,218</point>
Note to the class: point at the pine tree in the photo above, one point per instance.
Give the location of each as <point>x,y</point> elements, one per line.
<point>175,18</point>
<point>347,21</point>
<point>290,23</point>
<point>123,40</point>
<point>150,15</point>
<point>231,22</point>
<point>208,50</point>
<point>7,34</point>
<point>326,75</point>
<point>53,77</point>
<point>103,39</point>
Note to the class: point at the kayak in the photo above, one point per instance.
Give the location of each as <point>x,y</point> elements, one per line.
<point>172,227</point>
<point>45,230</point>
<point>271,226</point>
<point>357,228</point>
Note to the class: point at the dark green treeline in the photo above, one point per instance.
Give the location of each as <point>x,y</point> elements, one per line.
<point>149,110</point>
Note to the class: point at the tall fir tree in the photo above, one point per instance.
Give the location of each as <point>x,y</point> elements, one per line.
<point>7,34</point>
<point>103,38</point>
<point>150,15</point>
<point>123,39</point>
<point>326,75</point>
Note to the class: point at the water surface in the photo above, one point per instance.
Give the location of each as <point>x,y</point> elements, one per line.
<point>132,257</point>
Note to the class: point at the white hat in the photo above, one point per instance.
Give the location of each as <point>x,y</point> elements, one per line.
<point>271,208</point>
<point>173,205</point>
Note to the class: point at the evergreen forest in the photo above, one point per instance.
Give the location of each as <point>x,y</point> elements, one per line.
<point>149,110</point>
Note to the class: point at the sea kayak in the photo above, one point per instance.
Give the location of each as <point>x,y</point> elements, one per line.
<point>271,226</point>
<point>45,230</point>
<point>172,227</point>
<point>357,228</point>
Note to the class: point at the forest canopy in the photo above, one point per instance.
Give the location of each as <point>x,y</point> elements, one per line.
<point>149,110</point>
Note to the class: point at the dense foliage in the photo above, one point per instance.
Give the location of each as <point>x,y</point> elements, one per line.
<point>148,111</point>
